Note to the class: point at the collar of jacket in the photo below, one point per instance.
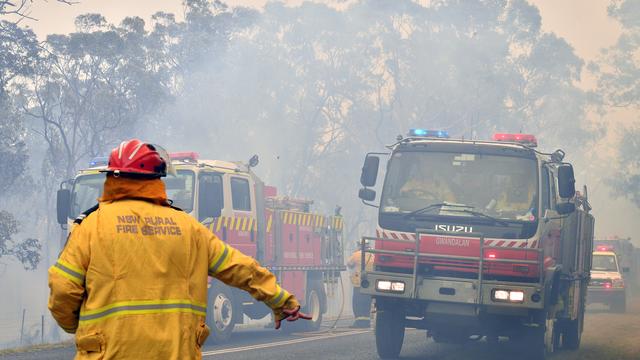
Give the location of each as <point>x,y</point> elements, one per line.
<point>119,188</point>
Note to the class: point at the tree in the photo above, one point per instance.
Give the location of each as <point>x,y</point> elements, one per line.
<point>18,54</point>
<point>618,73</point>
<point>27,251</point>
<point>91,88</point>
<point>619,67</point>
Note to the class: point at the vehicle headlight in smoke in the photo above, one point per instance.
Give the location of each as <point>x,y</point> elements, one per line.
<point>392,286</point>
<point>514,296</point>
<point>501,295</point>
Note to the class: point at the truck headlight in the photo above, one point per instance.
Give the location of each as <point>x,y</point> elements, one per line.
<point>397,286</point>
<point>391,286</point>
<point>383,285</point>
<point>502,295</point>
<point>516,296</point>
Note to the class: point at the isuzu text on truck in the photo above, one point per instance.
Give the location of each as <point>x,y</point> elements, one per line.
<point>302,248</point>
<point>477,239</point>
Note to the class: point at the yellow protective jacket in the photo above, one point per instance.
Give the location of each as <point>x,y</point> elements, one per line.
<point>131,282</point>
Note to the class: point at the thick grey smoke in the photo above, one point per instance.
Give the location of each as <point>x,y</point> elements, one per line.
<point>310,89</point>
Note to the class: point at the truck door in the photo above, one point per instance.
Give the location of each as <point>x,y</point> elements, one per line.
<point>210,199</point>
<point>551,230</point>
<point>242,226</point>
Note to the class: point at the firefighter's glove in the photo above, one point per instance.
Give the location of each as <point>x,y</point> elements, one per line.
<point>291,315</point>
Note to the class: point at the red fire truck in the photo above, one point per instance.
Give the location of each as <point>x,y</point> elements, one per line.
<point>304,249</point>
<point>477,239</point>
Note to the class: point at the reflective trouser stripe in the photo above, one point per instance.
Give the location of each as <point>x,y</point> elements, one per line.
<point>218,262</point>
<point>362,318</point>
<point>69,271</point>
<point>142,307</point>
<point>277,301</point>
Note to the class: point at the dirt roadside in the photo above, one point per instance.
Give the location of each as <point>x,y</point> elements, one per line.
<point>609,336</point>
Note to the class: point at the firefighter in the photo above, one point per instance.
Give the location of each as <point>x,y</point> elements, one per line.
<point>360,303</point>
<point>428,185</point>
<point>516,196</point>
<point>131,281</point>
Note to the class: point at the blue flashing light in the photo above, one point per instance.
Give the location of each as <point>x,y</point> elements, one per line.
<point>99,161</point>
<point>441,134</point>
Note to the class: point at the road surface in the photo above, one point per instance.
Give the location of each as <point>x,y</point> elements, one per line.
<point>607,336</point>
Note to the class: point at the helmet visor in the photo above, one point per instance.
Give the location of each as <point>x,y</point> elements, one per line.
<point>171,170</point>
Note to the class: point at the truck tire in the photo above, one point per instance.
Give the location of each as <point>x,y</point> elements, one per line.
<point>537,343</point>
<point>316,296</point>
<point>572,332</point>
<point>389,329</point>
<point>313,306</point>
<point>220,312</point>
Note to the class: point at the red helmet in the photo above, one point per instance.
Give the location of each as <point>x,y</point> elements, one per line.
<point>134,158</point>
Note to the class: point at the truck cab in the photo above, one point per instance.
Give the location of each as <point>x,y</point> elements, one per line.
<point>607,285</point>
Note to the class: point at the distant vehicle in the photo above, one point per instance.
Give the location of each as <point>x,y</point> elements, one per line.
<point>302,248</point>
<point>607,285</point>
<point>477,238</point>
<point>628,258</point>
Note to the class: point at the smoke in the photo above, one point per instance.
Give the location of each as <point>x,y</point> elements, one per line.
<point>311,88</point>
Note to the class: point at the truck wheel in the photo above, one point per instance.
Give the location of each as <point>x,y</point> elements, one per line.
<point>538,342</point>
<point>619,305</point>
<point>316,296</point>
<point>572,332</point>
<point>220,313</point>
<point>532,343</point>
<point>389,331</point>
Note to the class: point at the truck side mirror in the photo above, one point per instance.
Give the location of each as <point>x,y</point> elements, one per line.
<point>565,208</point>
<point>369,171</point>
<point>367,194</point>
<point>566,181</point>
<point>63,205</point>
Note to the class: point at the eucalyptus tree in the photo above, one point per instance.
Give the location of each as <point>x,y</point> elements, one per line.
<point>619,86</point>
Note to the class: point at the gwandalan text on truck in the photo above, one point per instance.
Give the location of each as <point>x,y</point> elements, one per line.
<point>477,239</point>
<point>303,249</point>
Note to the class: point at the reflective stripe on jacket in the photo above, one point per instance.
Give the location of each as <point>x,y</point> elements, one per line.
<point>131,282</point>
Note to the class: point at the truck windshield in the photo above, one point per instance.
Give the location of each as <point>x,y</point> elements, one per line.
<point>86,191</point>
<point>88,188</point>
<point>444,183</point>
<point>604,263</point>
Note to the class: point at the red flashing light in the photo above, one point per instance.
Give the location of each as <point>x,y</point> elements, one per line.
<point>525,139</point>
<point>607,285</point>
<point>190,156</point>
<point>491,255</point>
<point>604,248</point>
